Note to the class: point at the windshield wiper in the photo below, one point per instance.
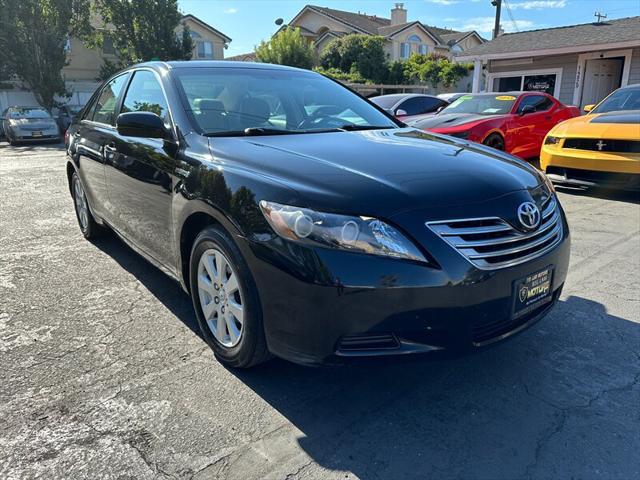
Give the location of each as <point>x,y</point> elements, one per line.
<point>251,131</point>
<point>350,127</point>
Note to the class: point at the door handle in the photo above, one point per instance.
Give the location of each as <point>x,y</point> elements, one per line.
<point>548,117</point>
<point>110,147</point>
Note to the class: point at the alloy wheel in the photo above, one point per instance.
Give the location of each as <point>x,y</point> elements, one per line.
<point>81,203</point>
<point>221,298</point>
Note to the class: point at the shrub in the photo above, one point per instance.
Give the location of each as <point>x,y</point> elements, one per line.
<point>287,47</point>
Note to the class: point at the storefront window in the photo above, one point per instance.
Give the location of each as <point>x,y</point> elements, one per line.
<point>540,83</point>
<point>528,83</point>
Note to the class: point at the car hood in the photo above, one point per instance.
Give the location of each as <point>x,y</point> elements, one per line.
<point>450,120</point>
<point>614,125</point>
<point>379,172</point>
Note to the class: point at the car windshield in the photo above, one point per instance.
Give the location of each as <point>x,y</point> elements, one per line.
<point>623,99</point>
<point>253,101</point>
<point>386,101</point>
<point>29,113</point>
<point>481,104</point>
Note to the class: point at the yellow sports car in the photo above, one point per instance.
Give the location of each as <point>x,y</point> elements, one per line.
<point>600,148</point>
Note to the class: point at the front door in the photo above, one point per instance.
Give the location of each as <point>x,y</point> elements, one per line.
<point>602,76</point>
<point>140,174</point>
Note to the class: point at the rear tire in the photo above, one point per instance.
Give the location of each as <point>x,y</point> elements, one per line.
<point>494,140</point>
<point>225,299</point>
<point>87,223</point>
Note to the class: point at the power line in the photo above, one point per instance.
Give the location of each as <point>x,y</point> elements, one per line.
<point>515,24</point>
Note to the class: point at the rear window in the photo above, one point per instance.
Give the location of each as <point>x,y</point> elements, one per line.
<point>29,113</point>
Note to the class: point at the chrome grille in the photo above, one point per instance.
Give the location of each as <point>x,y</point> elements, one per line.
<point>491,242</point>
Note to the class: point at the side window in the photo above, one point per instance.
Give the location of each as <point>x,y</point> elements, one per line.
<point>429,104</point>
<point>539,102</point>
<point>145,95</point>
<point>105,109</point>
<point>413,106</point>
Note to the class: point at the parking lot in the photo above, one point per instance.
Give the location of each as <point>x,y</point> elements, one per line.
<point>104,375</point>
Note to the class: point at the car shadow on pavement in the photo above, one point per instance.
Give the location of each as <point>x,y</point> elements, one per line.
<point>165,289</point>
<point>554,402</point>
<point>627,196</point>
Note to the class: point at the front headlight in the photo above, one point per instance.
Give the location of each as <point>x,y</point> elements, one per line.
<point>551,140</point>
<point>356,234</point>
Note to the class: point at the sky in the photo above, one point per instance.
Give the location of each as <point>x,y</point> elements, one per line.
<point>248,22</point>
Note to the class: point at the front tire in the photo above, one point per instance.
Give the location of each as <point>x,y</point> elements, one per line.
<point>494,140</point>
<point>88,225</point>
<point>225,299</point>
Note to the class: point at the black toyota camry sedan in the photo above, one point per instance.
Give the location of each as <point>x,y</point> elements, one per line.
<point>307,223</point>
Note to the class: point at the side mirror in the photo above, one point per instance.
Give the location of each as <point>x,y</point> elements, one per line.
<point>141,124</point>
<point>527,109</point>
<point>400,112</point>
<point>588,108</point>
<point>440,108</point>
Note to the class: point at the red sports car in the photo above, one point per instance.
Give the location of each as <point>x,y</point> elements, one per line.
<point>515,122</point>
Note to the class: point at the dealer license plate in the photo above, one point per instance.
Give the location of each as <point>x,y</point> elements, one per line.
<point>532,292</point>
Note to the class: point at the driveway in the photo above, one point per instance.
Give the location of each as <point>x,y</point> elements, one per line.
<point>103,373</point>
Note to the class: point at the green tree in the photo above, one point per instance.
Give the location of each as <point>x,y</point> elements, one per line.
<point>33,37</point>
<point>142,30</point>
<point>366,52</point>
<point>434,69</point>
<point>287,47</point>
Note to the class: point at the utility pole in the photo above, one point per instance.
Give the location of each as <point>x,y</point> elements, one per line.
<point>496,28</point>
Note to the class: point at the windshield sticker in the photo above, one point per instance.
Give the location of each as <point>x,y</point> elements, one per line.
<point>466,97</point>
<point>505,97</point>
<point>491,110</point>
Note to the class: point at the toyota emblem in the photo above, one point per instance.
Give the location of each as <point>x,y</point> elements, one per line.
<point>529,215</point>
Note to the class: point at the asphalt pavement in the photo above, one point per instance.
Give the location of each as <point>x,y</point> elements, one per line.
<point>103,373</point>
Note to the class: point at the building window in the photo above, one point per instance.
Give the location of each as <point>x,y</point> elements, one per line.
<point>423,49</point>
<point>528,83</point>
<point>414,39</point>
<point>205,50</point>
<point>405,48</point>
<point>456,49</point>
<point>194,35</point>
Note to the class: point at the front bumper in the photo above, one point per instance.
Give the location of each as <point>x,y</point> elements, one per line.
<point>325,306</point>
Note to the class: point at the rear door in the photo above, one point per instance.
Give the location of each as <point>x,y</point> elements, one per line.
<point>140,173</point>
<point>94,141</point>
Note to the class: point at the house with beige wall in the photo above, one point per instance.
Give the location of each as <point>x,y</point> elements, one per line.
<point>84,63</point>
<point>320,25</point>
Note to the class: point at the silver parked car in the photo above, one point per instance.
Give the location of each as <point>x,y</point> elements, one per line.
<point>28,124</point>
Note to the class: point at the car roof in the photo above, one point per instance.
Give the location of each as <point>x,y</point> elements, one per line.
<point>404,95</point>
<point>215,64</point>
